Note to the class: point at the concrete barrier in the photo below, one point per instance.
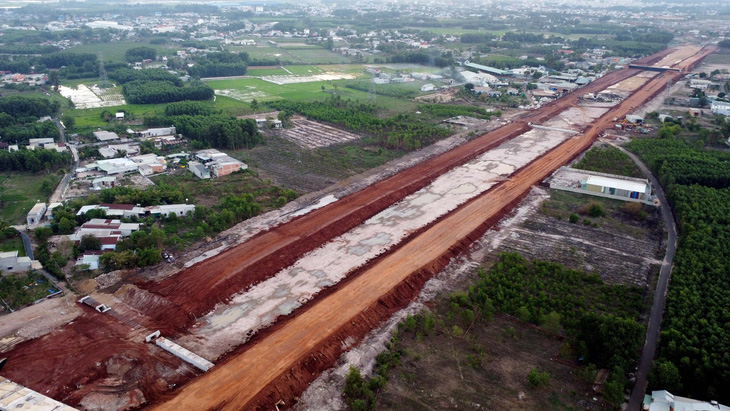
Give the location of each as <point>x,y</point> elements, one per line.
<point>179,351</point>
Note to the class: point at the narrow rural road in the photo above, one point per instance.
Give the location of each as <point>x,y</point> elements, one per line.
<point>57,195</point>
<point>660,294</point>
<point>26,244</point>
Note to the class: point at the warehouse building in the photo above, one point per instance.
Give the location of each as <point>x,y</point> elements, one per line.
<point>602,185</point>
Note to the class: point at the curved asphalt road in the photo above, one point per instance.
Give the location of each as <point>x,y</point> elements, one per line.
<point>660,294</point>
<point>26,244</point>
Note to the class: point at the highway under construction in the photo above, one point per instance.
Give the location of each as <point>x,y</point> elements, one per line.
<point>273,312</point>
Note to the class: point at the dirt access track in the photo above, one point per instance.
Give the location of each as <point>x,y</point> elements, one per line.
<point>280,364</point>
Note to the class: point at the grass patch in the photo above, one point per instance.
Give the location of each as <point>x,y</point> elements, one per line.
<point>115,51</point>
<point>247,89</point>
<point>210,192</point>
<point>19,192</point>
<point>609,160</point>
<point>13,244</point>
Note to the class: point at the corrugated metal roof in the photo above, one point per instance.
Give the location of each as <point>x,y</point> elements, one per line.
<point>627,185</point>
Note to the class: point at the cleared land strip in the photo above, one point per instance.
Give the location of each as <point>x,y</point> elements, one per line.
<point>266,253</point>
<point>279,365</point>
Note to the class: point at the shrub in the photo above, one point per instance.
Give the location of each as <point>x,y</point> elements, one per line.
<point>593,209</point>
<point>538,379</point>
<point>573,218</point>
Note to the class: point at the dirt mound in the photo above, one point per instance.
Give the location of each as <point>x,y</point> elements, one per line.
<point>91,356</point>
<point>87,287</point>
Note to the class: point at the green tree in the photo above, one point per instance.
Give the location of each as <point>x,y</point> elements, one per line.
<point>42,234</point>
<point>66,226</point>
<point>68,121</point>
<point>254,105</point>
<point>89,242</point>
<point>665,376</point>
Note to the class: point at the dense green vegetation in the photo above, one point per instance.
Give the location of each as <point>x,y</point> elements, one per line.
<point>207,127</point>
<point>20,290</point>
<point>27,106</point>
<point>33,160</point>
<point>609,160</point>
<point>403,131</point>
<point>694,347</point>
<point>676,162</point>
<point>158,86</point>
<point>140,53</point>
<point>220,65</point>
<point>19,119</point>
<point>602,318</point>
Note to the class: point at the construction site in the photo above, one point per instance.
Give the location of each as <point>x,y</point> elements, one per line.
<point>254,320</point>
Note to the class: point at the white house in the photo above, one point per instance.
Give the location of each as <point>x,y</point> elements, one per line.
<point>199,170</point>
<point>36,214</point>
<point>102,135</point>
<point>428,87</point>
<point>9,261</point>
<point>720,107</point>
<point>664,401</point>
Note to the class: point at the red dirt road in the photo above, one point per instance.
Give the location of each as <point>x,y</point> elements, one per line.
<point>280,365</point>
<point>264,255</point>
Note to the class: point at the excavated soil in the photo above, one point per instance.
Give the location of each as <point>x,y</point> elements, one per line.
<point>98,358</point>
<point>313,339</point>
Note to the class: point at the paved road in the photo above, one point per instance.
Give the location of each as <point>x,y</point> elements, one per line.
<point>26,244</point>
<point>660,294</point>
<point>57,195</point>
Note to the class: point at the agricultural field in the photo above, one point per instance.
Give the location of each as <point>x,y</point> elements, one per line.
<point>19,192</point>
<point>115,51</point>
<point>91,118</point>
<point>298,53</point>
<point>248,89</point>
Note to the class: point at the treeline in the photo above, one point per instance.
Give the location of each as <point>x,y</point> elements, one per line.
<point>127,75</point>
<point>404,131</point>
<point>188,108</point>
<point>19,118</point>
<point>158,86</point>
<point>199,122</point>
<point>422,57</point>
<point>27,49</point>
<point>70,65</point>
<point>154,92</point>
<point>446,111</point>
<point>136,54</point>
<point>676,162</point>
<point>220,65</point>
<point>20,132</point>
<point>33,161</point>
<point>693,356</point>
<point>27,106</point>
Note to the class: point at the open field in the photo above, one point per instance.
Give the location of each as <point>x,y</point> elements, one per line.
<point>115,51</point>
<point>19,192</point>
<point>248,89</point>
<point>299,54</point>
<point>91,118</point>
<point>13,244</point>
